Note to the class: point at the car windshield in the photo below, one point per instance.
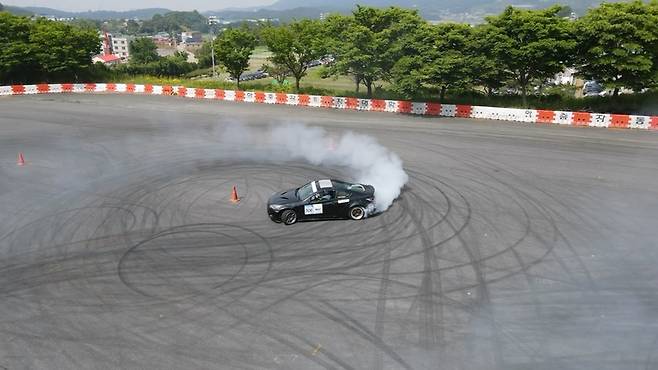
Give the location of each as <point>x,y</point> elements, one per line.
<point>305,191</point>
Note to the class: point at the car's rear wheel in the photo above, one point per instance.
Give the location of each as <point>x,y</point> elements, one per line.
<point>289,217</point>
<point>357,213</point>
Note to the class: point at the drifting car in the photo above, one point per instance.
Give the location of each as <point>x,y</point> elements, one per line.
<point>320,200</point>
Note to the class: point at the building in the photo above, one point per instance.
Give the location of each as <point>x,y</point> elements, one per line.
<point>107,59</point>
<point>162,39</point>
<point>119,46</point>
<point>54,18</point>
<point>566,77</point>
<point>191,37</point>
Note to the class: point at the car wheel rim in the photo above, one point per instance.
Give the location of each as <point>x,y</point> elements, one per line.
<point>357,213</point>
<point>291,218</point>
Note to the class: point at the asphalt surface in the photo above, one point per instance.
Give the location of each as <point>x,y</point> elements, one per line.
<point>511,246</point>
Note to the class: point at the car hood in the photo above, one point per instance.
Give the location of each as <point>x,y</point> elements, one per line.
<point>285,197</point>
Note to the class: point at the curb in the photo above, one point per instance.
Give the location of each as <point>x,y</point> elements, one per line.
<point>547,117</point>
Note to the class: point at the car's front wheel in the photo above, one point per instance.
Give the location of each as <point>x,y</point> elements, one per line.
<point>357,213</point>
<point>289,217</point>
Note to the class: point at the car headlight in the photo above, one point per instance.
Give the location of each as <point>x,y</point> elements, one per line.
<point>276,207</point>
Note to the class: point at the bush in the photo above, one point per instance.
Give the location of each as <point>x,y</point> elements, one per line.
<point>171,66</point>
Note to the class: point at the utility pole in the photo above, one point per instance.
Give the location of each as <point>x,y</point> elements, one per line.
<point>212,54</point>
<point>212,49</point>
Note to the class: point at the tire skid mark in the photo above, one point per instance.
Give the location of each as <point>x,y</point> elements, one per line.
<point>590,280</point>
<point>122,260</point>
<point>425,251</point>
<point>425,302</point>
<point>381,300</point>
<point>354,326</point>
<point>476,161</point>
<point>474,164</point>
<point>475,262</point>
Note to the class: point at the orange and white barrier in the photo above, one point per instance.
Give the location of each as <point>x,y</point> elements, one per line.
<point>542,117</point>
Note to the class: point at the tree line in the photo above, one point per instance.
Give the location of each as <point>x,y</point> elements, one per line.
<point>49,51</point>
<point>517,50</point>
<point>43,50</point>
<point>171,23</point>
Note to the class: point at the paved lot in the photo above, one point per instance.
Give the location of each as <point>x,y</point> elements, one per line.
<point>511,247</point>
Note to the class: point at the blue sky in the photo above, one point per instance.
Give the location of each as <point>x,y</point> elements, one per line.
<point>82,5</point>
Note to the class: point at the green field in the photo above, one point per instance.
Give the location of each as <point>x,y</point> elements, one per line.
<point>259,57</point>
<point>312,82</point>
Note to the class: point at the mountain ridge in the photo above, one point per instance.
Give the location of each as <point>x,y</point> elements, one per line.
<point>286,10</point>
<point>146,13</point>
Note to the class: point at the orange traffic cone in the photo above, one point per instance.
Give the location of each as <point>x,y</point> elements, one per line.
<point>234,195</point>
<point>21,159</point>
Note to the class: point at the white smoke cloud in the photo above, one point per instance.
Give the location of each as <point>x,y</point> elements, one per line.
<point>367,161</point>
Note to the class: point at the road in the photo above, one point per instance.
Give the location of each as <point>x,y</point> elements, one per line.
<point>511,246</point>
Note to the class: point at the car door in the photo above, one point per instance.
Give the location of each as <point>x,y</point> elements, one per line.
<point>321,205</point>
<point>329,204</point>
<point>342,204</point>
<point>312,208</point>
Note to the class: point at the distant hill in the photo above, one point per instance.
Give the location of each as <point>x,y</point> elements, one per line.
<point>472,11</point>
<point>433,5</point>
<point>286,10</point>
<point>16,10</point>
<point>282,15</point>
<point>96,14</point>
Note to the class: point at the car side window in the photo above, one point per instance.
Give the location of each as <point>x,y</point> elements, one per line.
<point>328,195</point>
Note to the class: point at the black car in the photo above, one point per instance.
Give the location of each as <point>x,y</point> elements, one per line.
<point>320,200</point>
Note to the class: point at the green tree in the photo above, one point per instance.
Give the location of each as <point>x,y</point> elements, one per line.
<point>295,45</point>
<point>276,71</point>
<point>204,54</point>
<point>175,22</point>
<point>233,50</point>
<point>369,43</point>
<point>132,27</point>
<point>143,50</point>
<point>618,45</point>
<point>171,66</point>
<point>61,50</point>
<point>160,23</point>
<point>486,72</point>
<point>531,44</point>
<point>439,59</point>
<point>337,26</point>
<point>17,62</point>
<point>86,23</point>
<point>565,11</point>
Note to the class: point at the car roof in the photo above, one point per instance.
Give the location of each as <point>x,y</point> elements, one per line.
<point>324,184</point>
<point>336,184</point>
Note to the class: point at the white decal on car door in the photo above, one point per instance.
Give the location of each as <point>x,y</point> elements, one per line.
<point>313,209</point>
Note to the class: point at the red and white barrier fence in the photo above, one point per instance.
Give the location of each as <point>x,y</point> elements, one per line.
<point>373,105</point>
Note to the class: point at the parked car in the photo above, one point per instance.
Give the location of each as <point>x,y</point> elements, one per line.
<point>593,88</point>
<point>250,76</point>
